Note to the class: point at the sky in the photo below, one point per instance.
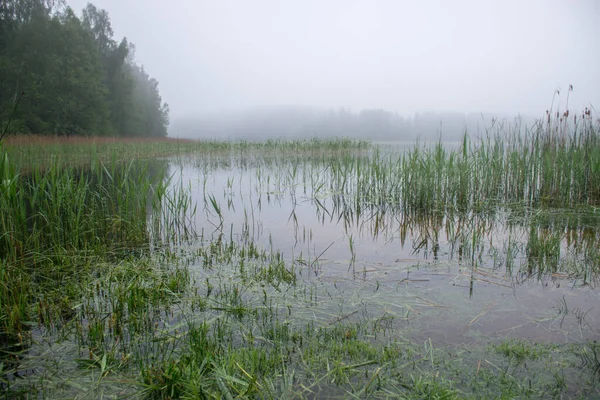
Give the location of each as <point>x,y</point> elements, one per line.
<point>505,57</point>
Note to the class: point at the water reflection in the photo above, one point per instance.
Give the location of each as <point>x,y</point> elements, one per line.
<point>490,272</point>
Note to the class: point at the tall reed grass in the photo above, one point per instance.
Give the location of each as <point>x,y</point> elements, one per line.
<point>552,164</point>
<point>57,218</point>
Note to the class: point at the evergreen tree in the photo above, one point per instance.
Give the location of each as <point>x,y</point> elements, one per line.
<point>76,78</point>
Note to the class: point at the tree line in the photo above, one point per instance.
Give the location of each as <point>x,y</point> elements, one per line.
<point>373,124</point>
<point>63,74</point>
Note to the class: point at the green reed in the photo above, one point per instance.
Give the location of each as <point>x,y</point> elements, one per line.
<point>542,166</point>
<point>56,219</point>
<point>60,210</point>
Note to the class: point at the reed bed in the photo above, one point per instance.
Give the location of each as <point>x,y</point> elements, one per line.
<point>548,166</point>
<point>31,151</point>
<point>57,221</point>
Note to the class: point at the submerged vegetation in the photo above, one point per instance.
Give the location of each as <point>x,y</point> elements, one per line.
<point>316,268</point>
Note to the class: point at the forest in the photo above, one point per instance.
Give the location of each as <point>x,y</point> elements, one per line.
<point>66,74</point>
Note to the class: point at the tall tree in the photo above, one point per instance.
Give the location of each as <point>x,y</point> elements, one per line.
<point>77,78</point>
<point>136,107</point>
<point>150,116</point>
<point>121,85</point>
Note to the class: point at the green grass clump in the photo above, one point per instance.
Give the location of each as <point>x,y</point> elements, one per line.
<point>519,350</point>
<point>431,388</point>
<point>56,222</point>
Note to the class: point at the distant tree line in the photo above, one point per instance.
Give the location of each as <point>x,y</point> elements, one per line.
<point>61,74</point>
<point>374,124</point>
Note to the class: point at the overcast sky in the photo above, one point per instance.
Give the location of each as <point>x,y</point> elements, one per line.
<point>504,56</point>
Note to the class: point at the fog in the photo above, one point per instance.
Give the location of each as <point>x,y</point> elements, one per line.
<point>216,59</point>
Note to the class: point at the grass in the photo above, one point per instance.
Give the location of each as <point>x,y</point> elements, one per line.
<point>503,169</point>
<point>58,222</point>
<point>24,151</point>
<point>122,279</point>
<point>518,350</point>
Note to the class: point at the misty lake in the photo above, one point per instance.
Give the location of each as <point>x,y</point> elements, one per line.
<point>299,200</point>
<point>313,269</point>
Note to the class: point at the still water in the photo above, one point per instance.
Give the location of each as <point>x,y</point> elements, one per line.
<point>452,278</point>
